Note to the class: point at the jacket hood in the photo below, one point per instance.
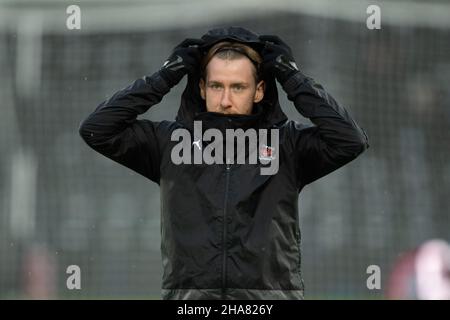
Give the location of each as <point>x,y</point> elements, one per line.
<point>268,111</point>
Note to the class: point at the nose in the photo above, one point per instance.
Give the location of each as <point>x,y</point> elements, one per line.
<point>225,101</point>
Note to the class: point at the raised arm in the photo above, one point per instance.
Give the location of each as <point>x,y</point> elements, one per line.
<point>335,139</point>
<point>113,129</point>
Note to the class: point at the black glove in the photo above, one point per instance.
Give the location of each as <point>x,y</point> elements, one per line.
<point>277,58</point>
<point>185,58</point>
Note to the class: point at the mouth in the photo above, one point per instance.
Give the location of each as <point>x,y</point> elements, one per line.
<point>228,111</point>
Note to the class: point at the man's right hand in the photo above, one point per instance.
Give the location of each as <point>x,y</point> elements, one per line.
<point>185,58</point>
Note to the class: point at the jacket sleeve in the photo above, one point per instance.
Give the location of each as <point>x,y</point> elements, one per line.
<point>114,131</point>
<point>334,140</point>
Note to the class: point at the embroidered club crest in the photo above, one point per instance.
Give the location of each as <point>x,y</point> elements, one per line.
<point>266,153</point>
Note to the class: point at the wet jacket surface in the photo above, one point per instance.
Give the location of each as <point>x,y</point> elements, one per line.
<point>227,231</point>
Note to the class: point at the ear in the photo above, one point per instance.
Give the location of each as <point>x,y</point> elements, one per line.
<point>201,84</point>
<point>259,94</point>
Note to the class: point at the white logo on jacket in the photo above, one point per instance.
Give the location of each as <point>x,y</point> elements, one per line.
<point>197,143</point>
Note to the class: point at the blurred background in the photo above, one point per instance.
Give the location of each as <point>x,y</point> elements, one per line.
<point>63,204</point>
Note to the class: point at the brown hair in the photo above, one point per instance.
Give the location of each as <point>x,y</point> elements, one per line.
<point>231,51</point>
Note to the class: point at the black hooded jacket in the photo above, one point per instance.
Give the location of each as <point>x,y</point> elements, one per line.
<point>227,231</point>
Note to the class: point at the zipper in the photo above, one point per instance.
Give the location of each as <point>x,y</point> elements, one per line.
<point>224,236</point>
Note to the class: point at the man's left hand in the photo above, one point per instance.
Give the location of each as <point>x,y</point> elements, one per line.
<point>277,58</point>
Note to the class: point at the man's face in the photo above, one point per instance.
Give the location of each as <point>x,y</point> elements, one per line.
<point>230,86</point>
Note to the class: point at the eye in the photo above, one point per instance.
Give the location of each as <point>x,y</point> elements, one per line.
<point>215,86</point>
<point>238,88</point>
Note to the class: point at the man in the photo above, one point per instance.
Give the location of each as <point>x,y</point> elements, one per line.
<point>228,231</point>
